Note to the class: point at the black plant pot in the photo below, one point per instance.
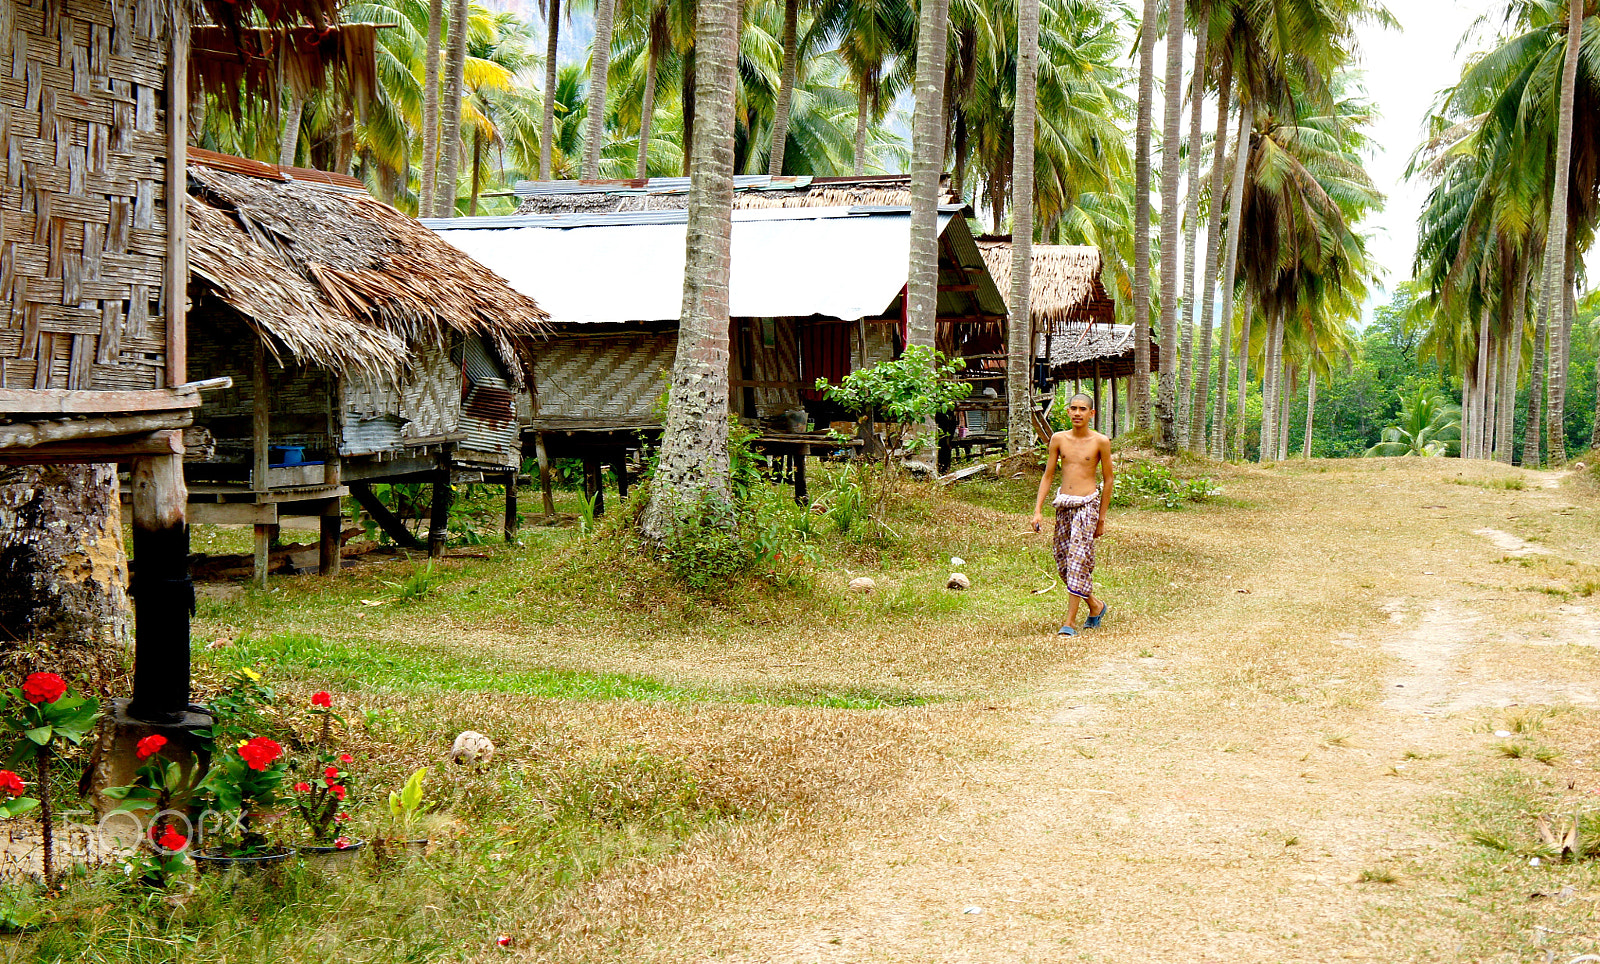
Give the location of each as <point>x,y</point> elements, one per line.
<point>391,850</point>
<point>333,858</point>
<point>212,861</point>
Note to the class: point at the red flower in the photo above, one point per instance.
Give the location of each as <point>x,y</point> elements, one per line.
<point>173,840</point>
<point>337,791</point>
<point>341,843</point>
<point>346,758</point>
<point>302,787</point>
<point>260,752</point>
<point>322,698</point>
<point>330,776</point>
<point>149,746</point>
<point>43,688</point>
<point>11,783</point>
<point>342,816</point>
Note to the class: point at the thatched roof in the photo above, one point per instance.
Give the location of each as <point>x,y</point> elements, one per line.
<point>1066,281</point>
<point>671,193</point>
<point>1079,350</point>
<point>337,277</point>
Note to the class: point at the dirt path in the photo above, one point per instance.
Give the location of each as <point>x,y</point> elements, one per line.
<point>1255,778</point>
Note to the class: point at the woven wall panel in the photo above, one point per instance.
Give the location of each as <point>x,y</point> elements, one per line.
<point>780,363</point>
<point>83,215</point>
<point>602,377</point>
<point>430,396</point>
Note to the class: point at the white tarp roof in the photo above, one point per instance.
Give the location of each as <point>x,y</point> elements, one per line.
<point>787,262</point>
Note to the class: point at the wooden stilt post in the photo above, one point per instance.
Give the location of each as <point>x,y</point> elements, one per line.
<point>511,506</point>
<point>260,437</point>
<point>439,511</point>
<point>329,548</point>
<point>544,476</point>
<point>620,468</point>
<point>1114,413</point>
<point>801,495</point>
<point>162,593</point>
<point>1097,394</point>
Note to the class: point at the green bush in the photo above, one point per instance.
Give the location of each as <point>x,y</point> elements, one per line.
<point>1148,484</point>
<point>711,542</point>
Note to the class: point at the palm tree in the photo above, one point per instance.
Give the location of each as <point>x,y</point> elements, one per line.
<point>1171,134</point>
<point>547,122</point>
<point>430,107</point>
<point>1430,425</point>
<point>927,163</point>
<point>1019,379</point>
<point>1553,300</point>
<point>599,71</point>
<point>444,205</point>
<point>1141,219</point>
<point>693,464</point>
<point>875,39</point>
<point>1191,219</point>
<point>780,115</point>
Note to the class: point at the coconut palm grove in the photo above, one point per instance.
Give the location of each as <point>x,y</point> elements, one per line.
<point>799,480</point>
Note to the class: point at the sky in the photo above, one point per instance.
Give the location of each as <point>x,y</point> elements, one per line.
<point>1404,70</point>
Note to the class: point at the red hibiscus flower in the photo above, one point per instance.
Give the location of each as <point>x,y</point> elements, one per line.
<point>11,783</point>
<point>260,752</point>
<point>341,843</point>
<point>43,688</point>
<point>345,758</point>
<point>330,776</point>
<point>342,816</point>
<point>149,746</point>
<point>337,791</point>
<point>302,787</point>
<point>322,698</point>
<point>173,840</point>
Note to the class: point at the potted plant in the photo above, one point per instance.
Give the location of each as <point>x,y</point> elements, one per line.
<point>43,712</point>
<point>322,796</point>
<point>245,789</point>
<point>405,833</point>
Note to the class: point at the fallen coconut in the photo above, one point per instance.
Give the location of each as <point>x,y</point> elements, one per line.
<point>958,581</point>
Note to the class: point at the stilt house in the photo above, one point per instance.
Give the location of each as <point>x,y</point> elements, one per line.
<point>815,292</point>
<point>361,348</point>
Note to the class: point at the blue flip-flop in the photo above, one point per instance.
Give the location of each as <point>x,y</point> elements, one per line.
<point>1067,631</point>
<point>1093,622</point>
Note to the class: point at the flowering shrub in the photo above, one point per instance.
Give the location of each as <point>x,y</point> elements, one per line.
<point>320,799</point>
<point>244,784</point>
<point>41,713</point>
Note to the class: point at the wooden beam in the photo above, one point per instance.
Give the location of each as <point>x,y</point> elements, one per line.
<point>30,435</point>
<point>260,419</point>
<point>177,279</point>
<point>62,401</point>
<point>386,520</point>
<point>233,513</point>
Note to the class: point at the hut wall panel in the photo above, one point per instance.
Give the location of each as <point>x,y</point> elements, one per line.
<point>780,363</point>
<point>219,345</point>
<point>82,201</point>
<point>880,343</point>
<point>599,377</point>
<point>430,394</point>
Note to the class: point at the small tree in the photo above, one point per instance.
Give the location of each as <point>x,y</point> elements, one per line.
<point>1430,425</point>
<point>903,393</point>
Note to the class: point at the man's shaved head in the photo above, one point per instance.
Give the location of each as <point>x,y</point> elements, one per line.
<point>1087,400</point>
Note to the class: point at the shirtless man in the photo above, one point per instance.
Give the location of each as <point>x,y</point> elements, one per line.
<point>1080,506</point>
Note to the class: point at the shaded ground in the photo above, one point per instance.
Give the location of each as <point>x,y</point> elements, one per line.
<point>1283,762</point>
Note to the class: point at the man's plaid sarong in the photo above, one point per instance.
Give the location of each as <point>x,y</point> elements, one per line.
<point>1076,518</point>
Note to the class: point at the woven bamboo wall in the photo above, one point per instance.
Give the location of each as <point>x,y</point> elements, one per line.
<point>779,363</point>
<point>430,395</point>
<point>600,377</point>
<point>301,394</point>
<point>83,234</point>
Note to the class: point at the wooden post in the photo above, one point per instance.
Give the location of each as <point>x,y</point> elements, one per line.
<point>1114,413</point>
<point>260,436</point>
<point>162,593</point>
<point>176,282</point>
<point>439,511</point>
<point>620,467</point>
<point>801,453</point>
<point>329,548</point>
<point>1097,394</point>
<point>594,484</point>
<point>544,476</point>
<point>511,506</point>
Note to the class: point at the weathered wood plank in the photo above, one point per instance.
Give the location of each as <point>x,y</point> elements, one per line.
<point>57,401</point>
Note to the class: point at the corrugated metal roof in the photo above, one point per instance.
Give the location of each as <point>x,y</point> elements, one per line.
<point>787,262</point>
<point>657,185</point>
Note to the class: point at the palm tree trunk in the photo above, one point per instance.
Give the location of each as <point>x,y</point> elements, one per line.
<point>1552,301</point>
<point>1241,157</point>
<point>1019,378</point>
<point>647,111</point>
<point>430,109</point>
<point>927,164</point>
<point>477,171</point>
<point>1207,294</point>
<point>1191,217</point>
<point>1311,413</point>
<point>1141,217</point>
<point>1244,375</point>
<point>1288,386</point>
<point>780,113</point>
<point>547,120</point>
<point>686,99</point>
<point>1533,424</point>
<point>1171,172</point>
<point>1480,395</point>
<point>1491,402</point>
<point>599,77</point>
<point>1269,383</point>
<point>289,136</point>
<point>958,173</point>
<point>444,203</point>
<point>693,463</point>
<point>862,105</point>
<point>1559,367</point>
<point>1512,361</point>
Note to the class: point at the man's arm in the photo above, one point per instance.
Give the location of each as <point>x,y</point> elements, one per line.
<point>1044,486</point>
<point>1108,474</point>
